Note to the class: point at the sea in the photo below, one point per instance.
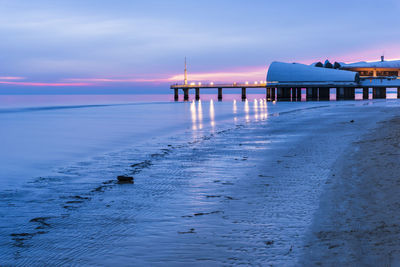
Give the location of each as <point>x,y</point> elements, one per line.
<point>215,182</point>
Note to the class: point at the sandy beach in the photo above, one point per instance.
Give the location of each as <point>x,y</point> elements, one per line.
<point>357,223</point>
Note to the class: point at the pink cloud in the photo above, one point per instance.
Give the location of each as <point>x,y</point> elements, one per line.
<point>116,80</point>
<point>44,84</point>
<point>249,74</point>
<point>12,78</point>
<point>391,52</point>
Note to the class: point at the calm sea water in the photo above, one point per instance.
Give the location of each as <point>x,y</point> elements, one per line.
<point>41,133</point>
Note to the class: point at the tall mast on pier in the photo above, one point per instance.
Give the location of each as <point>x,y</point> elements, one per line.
<point>185,81</point>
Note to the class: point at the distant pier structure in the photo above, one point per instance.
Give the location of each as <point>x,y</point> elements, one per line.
<point>299,82</point>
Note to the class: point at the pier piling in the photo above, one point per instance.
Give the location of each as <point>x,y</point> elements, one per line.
<point>244,94</point>
<point>219,94</point>
<point>365,93</point>
<point>185,94</point>
<point>197,93</point>
<point>176,94</point>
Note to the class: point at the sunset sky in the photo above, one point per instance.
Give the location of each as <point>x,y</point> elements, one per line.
<point>122,46</point>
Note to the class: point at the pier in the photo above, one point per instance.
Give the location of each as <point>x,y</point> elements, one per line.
<point>219,87</point>
<point>279,93</point>
<point>299,82</point>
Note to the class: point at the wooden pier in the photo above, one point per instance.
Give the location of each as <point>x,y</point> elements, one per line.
<point>186,87</point>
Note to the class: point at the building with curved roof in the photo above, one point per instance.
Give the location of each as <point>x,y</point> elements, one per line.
<point>300,75</point>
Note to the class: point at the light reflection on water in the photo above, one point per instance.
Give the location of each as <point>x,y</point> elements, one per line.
<point>200,114</point>
<point>246,110</point>
<point>212,113</point>
<point>262,110</point>
<point>193,113</point>
<point>257,110</point>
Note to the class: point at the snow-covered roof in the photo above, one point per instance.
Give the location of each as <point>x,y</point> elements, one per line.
<point>280,72</point>
<point>394,64</point>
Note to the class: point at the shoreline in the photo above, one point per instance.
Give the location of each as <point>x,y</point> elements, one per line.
<point>356,222</point>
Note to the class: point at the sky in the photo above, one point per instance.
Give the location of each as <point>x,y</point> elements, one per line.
<point>121,46</point>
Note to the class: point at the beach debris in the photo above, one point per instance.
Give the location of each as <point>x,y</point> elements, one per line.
<point>80,197</point>
<point>74,202</point>
<point>212,196</point>
<point>138,167</point>
<point>269,242</point>
<point>122,179</point>
<point>352,121</point>
<point>143,164</point>
<point>265,176</point>
<point>19,238</point>
<point>67,207</point>
<point>22,234</point>
<point>191,231</point>
<point>290,250</point>
<point>202,213</point>
<point>207,213</point>
<point>42,221</point>
<point>106,184</point>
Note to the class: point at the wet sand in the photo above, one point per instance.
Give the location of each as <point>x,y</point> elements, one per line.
<point>358,220</point>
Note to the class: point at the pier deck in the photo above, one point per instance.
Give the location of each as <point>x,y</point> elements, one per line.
<point>288,92</point>
<point>197,87</point>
